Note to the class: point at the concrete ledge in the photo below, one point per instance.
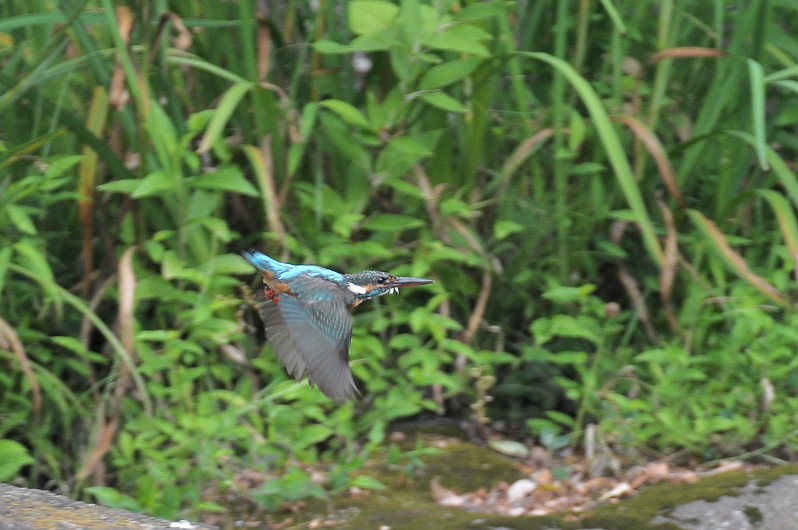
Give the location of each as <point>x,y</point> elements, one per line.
<point>773,505</point>
<point>27,509</point>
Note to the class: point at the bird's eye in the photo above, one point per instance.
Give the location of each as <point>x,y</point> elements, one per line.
<point>382,280</point>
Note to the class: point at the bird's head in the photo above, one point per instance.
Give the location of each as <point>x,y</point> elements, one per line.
<point>371,284</point>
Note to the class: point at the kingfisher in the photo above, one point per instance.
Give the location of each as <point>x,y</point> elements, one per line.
<point>304,309</point>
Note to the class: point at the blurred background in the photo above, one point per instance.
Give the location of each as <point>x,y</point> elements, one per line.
<point>604,192</point>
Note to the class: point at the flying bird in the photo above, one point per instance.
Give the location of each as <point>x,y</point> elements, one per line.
<point>305,313</point>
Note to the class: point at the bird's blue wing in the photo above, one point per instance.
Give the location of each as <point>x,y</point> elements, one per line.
<point>312,335</point>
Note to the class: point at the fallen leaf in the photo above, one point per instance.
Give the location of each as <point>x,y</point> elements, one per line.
<point>618,491</point>
<point>444,496</point>
<point>543,477</point>
<point>509,448</point>
<point>520,489</point>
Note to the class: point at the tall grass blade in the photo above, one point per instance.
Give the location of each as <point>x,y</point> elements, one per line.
<point>613,149</point>
<point>733,259</point>
<point>657,152</point>
<point>757,84</point>
<point>10,340</point>
<point>112,339</point>
<point>227,105</point>
<point>786,176</point>
<point>271,203</point>
<point>787,223</point>
<point>87,172</point>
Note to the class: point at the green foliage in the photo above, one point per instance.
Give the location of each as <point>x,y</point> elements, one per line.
<point>721,397</point>
<point>715,396</point>
<point>606,215</point>
<point>13,457</point>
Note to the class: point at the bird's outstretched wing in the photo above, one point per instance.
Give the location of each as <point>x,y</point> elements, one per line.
<point>311,333</point>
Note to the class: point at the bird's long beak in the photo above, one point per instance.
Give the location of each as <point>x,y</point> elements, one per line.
<point>407,281</point>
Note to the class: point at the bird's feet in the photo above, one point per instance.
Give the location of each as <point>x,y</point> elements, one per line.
<point>272,295</point>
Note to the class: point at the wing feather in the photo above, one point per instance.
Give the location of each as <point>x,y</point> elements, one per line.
<point>280,339</point>
<point>312,336</point>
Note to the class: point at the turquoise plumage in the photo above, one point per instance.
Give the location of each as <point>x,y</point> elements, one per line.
<point>305,312</point>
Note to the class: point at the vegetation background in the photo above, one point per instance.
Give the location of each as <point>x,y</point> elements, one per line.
<point>605,192</point>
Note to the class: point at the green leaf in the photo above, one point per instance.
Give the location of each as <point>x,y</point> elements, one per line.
<point>347,112</point>
<point>411,23</point>
<point>209,506</point>
<point>70,343</point>
<point>560,417</point>
<point>227,178</point>
<point>410,146</point>
<point>308,120</point>
<point>294,484</point>
<point>612,250</point>
<point>401,63</point>
<point>573,358</point>
<point>163,136</point>
<point>217,227</point>
<point>504,228</point>
<point>58,167</point>
<point>311,435</point>
<point>376,42</point>
<point>227,104</point>
<point>447,73</point>
<point>388,222</point>
<point>13,457</point>
<point>377,433</point>
<point>656,355</point>
<point>370,16</point>
<point>113,499</point>
<point>455,206</point>
<point>339,135</point>
<point>344,223</point>
<point>33,260</point>
<point>471,32</point>
<point>331,47</point>
<point>443,101</point>
<point>5,258</point>
<point>297,149</point>
<point>20,218</point>
<point>462,38</point>
<point>368,483</point>
<point>587,168</point>
<point>545,329</point>
<point>406,188</point>
<point>121,186</point>
<point>480,10</point>
<point>153,184</point>
<point>562,294</point>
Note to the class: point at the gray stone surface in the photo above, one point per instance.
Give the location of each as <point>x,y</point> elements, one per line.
<point>773,506</point>
<point>27,509</point>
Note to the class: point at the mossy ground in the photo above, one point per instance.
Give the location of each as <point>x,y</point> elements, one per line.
<point>407,503</point>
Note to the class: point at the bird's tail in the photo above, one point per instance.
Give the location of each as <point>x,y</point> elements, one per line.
<point>263,262</point>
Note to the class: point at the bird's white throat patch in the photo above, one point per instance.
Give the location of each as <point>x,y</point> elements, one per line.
<point>356,288</point>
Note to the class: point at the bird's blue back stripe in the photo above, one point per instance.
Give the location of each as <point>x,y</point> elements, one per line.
<point>315,271</point>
